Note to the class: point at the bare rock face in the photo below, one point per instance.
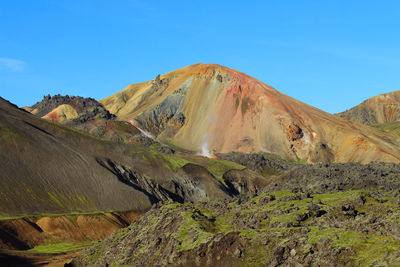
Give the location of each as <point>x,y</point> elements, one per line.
<point>294,132</point>
<point>221,110</point>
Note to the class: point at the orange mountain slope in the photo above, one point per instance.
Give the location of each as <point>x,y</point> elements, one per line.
<point>209,108</point>
<point>384,108</point>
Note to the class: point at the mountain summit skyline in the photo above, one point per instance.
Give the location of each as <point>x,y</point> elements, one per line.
<point>214,109</point>
<point>322,55</point>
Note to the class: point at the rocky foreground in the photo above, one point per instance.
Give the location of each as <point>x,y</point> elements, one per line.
<point>312,215</point>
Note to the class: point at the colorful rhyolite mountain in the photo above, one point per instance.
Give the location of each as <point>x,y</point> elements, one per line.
<point>208,108</point>
<point>384,108</point>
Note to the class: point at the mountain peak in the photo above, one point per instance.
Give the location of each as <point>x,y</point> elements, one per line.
<point>386,98</point>
<point>209,108</point>
<point>205,68</point>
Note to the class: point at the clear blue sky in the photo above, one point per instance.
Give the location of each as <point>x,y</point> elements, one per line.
<point>329,54</point>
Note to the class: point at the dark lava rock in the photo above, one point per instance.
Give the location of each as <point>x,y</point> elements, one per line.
<point>87,108</point>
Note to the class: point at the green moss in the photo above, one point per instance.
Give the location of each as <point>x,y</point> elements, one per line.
<point>193,232</point>
<point>169,161</point>
<point>5,217</point>
<point>57,248</point>
<point>316,234</point>
<point>174,162</point>
<point>283,193</point>
<point>219,167</point>
<point>216,167</point>
<point>249,233</point>
<point>71,216</point>
<point>336,199</point>
<point>369,249</point>
<point>264,227</point>
<point>223,224</point>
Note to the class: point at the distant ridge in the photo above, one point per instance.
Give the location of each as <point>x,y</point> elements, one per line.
<point>61,108</point>
<point>383,108</point>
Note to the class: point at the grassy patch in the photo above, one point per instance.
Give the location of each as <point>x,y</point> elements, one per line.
<point>216,166</point>
<point>194,232</point>
<point>370,250</point>
<point>171,162</point>
<point>72,216</point>
<point>219,167</point>
<point>336,199</point>
<point>4,217</point>
<point>58,248</point>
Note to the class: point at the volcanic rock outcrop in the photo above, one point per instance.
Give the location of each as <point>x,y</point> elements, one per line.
<point>207,108</point>
<point>315,215</point>
<point>66,108</point>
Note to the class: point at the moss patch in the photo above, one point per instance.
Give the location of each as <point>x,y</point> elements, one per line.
<point>58,248</point>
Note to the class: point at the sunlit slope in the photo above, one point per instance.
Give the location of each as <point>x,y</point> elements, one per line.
<point>208,107</point>
<point>384,108</point>
<point>61,113</point>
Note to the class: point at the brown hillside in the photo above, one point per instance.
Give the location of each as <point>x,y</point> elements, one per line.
<point>384,108</point>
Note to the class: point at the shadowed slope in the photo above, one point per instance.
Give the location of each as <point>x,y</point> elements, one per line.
<point>49,168</point>
<point>207,107</point>
<point>43,173</point>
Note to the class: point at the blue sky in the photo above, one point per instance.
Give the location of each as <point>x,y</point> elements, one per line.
<point>329,54</point>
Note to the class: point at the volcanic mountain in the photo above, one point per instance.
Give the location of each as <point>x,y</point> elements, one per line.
<point>384,108</point>
<point>208,108</point>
